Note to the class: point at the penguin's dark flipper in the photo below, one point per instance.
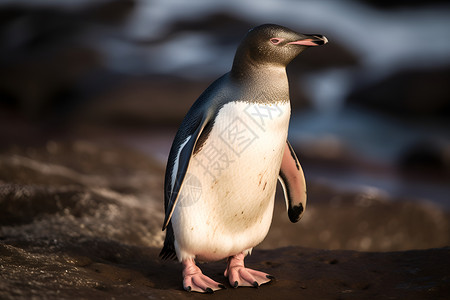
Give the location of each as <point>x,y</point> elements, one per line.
<point>184,157</point>
<point>293,182</point>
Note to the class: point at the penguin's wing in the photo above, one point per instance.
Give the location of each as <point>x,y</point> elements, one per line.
<point>185,151</point>
<point>293,182</point>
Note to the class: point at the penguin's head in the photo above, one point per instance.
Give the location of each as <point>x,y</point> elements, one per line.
<point>275,45</point>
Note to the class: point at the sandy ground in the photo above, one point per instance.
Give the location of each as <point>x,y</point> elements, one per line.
<point>82,220</point>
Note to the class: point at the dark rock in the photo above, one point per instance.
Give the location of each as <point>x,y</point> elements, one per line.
<point>364,221</point>
<point>413,94</point>
<point>426,158</point>
<point>47,57</point>
<point>39,88</point>
<point>111,12</point>
<point>143,101</point>
<point>223,28</point>
<point>402,4</point>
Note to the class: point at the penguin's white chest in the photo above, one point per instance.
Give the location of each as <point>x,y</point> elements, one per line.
<point>226,202</point>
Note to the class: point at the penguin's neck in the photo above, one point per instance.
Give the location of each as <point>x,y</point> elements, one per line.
<point>269,80</point>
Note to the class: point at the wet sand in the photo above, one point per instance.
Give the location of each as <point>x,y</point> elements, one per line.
<point>102,269</point>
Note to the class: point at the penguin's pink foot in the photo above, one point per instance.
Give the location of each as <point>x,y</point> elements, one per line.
<point>195,281</point>
<point>239,275</point>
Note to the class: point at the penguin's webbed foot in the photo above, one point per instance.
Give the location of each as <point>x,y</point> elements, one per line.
<point>195,281</point>
<point>239,275</point>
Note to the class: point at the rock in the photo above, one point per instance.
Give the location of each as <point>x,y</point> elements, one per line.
<point>41,87</point>
<point>399,4</point>
<point>222,27</point>
<point>408,94</point>
<point>363,221</point>
<point>426,158</point>
<point>143,101</point>
<point>48,60</point>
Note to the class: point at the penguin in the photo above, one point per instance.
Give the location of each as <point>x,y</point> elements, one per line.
<point>226,158</point>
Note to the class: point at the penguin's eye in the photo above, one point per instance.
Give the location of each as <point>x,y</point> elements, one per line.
<point>276,41</point>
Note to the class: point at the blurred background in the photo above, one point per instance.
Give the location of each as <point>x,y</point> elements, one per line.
<point>370,110</point>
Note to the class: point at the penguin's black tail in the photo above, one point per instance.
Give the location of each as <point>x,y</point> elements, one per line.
<point>168,250</point>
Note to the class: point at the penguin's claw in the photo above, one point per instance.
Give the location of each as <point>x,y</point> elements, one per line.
<point>239,275</point>
<point>201,283</point>
<point>195,281</point>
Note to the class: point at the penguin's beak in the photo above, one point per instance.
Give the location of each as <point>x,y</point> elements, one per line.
<point>311,40</point>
